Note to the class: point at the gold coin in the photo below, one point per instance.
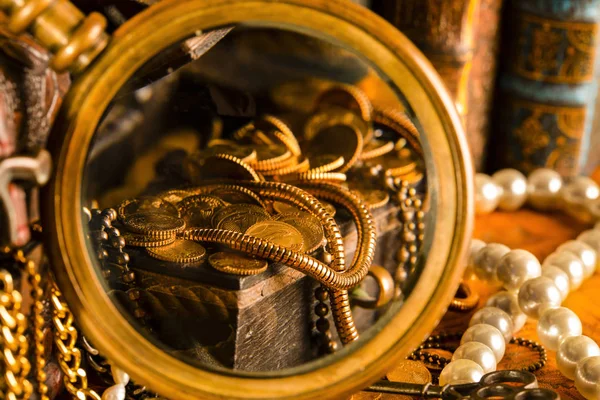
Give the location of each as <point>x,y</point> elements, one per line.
<point>279,233</point>
<point>156,225</point>
<point>141,240</point>
<point>283,208</point>
<point>146,204</point>
<point>237,264</point>
<point>375,148</point>
<point>373,197</point>
<point>180,251</point>
<point>197,211</point>
<point>326,163</point>
<point>309,227</point>
<point>174,196</point>
<point>236,195</point>
<point>220,166</point>
<point>339,140</point>
<point>410,371</point>
<point>239,217</point>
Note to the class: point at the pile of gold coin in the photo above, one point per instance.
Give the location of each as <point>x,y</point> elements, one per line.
<point>157,223</point>
<point>344,142</point>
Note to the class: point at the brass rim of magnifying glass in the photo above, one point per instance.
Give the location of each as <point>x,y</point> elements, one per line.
<point>449,172</point>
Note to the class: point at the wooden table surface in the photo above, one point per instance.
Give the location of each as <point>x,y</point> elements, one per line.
<point>540,234</point>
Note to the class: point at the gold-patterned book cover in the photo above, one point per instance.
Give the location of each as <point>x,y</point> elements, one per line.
<point>460,38</point>
<point>547,85</point>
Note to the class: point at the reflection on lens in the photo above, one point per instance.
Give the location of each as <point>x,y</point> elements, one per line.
<point>240,193</point>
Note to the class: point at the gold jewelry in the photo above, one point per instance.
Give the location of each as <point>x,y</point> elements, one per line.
<point>15,345</point>
<point>69,355</point>
<point>236,264</point>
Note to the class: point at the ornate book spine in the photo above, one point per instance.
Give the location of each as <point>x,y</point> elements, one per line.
<point>547,86</point>
<point>460,38</point>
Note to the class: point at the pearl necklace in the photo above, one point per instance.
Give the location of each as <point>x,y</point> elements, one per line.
<point>532,289</point>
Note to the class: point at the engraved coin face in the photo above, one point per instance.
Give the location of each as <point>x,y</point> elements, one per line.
<point>236,264</point>
<point>410,371</point>
<point>154,224</point>
<point>309,227</point>
<point>282,208</point>
<point>198,210</point>
<point>279,233</point>
<point>236,195</point>
<point>146,204</point>
<point>239,217</point>
<point>180,251</point>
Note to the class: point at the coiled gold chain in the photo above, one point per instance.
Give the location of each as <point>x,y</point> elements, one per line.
<point>69,355</point>
<point>13,341</point>
<point>334,276</point>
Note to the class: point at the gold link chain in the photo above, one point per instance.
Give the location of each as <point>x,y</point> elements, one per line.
<point>37,321</point>
<point>69,356</point>
<point>13,342</point>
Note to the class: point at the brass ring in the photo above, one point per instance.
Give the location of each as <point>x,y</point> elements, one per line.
<point>385,283</point>
<point>465,298</point>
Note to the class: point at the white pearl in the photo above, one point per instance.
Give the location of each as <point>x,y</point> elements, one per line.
<point>487,259</point>
<point>514,189</point>
<point>577,196</point>
<point>119,376</point>
<point>587,376</point>
<point>495,317</point>
<point>487,194</point>
<point>516,267</point>
<point>570,264</point>
<point>461,371</point>
<point>592,238</point>
<point>115,392</point>
<point>509,303</point>
<point>586,254</point>
<point>476,246</point>
<point>543,187</point>
<point>477,352</point>
<point>560,279</point>
<point>488,335</point>
<point>581,189</point>
<point>538,293</point>
<point>556,324</point>
<point>572,350</point>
